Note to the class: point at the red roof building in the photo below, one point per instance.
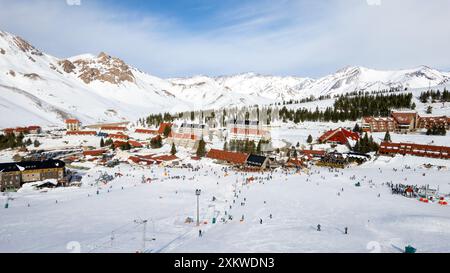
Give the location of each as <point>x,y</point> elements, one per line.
<point>415,149</point>
<point>163,127</point>
<point>146,131</point>
<point>430,122</point>
<point>372,124</point>
<point>339,136</point>
<point>23,130</point>
<point>226,156</point>
<point>135,144</point>
<point>72,124</point>
<point>94,153</point>
<point>405,121</point>
<point>118,136</point>
<point>294,163</point>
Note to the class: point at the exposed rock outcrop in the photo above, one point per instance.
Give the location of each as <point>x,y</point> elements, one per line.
<point>33,76</point>
<point>67,66</point>
<point>105,69</point>
<point>26,47</point>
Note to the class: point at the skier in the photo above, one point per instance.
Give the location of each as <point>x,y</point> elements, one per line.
<point>200,233</point>
<point>260,221</point>
<point>318,227</point>
<point>346,230</point>
<point>270,216</point>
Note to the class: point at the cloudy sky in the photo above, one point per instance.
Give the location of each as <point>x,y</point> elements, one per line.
<point>172,38</point>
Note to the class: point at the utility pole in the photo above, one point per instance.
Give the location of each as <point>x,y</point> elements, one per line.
<point>7,200</point>
<point>197,193</point>
<point>144,233</point>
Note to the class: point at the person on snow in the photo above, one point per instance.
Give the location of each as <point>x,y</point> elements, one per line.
<point>260,221</point>
<point>318,227</point>
<point>346,230</point>
<point>200,233</point>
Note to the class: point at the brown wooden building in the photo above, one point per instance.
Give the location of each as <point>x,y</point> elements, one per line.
<point>14,175</point>
<point>415,149</point>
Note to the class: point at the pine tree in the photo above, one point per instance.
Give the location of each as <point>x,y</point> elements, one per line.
<point>357,129</point>
<point>102,143</point>
<point>258,148</point>
<point>173,151</point>
<point>167,131</point>
<point>36,143</point>
<point>201,150</point>
<point>225,146</point>
<point>387,137</point>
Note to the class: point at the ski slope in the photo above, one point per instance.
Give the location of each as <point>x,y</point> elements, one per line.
<point>297,202</point>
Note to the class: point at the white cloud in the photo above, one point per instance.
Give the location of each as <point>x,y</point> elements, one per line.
<point>73,2</point>
<point>291,37</point>
<point>373,2</point>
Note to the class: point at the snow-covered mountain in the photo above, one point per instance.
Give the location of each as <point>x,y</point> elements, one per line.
<point>38,88</point>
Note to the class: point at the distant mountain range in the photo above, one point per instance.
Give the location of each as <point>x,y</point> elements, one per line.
<point>37,88</point>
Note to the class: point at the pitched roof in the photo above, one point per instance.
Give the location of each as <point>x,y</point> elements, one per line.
<point>135,144</point>
<point>146,131</point>
<point>94,153</point>
<point>31,165</point>
<point>341,135</point>
<point>72,121</point>
<point>404,117</point>
<point>256,160</point>
<point>231,157</point>
<point>163,126</point>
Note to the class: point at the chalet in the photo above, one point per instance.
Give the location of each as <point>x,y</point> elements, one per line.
<point>389,148</point>
<point>73,124</point>
<point>34,129</point>
<point>14,175</point>
<point>135,144</point>
<point>333,160</point>
<point>339,136</point>
<point>247,130</point>
<point>257,162</point>
<point>228,157</point>
<point>294,163</point>
<point>405,121</point>
<point>372,124</point>
<point>430,122</point>
<point>118,136</point>
<point>23,130</point>
<point>132,143</point>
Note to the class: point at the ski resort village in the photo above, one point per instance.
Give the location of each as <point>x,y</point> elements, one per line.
<point>96,156</point>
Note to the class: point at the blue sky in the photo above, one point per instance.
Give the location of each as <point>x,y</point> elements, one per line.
<point>177,38</point>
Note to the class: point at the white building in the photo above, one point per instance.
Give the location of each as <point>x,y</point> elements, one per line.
<point>248,130</point>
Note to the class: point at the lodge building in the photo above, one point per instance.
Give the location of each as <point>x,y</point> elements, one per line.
<point>73,124</point>
<point>14,175</point>
<point>248,130</point>
<point>188,135</point>
<point>403,122</point>
<point>389,148</point>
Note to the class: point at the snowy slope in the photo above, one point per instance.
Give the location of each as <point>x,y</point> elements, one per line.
<point>44,90</point>
<point>52,90</point>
